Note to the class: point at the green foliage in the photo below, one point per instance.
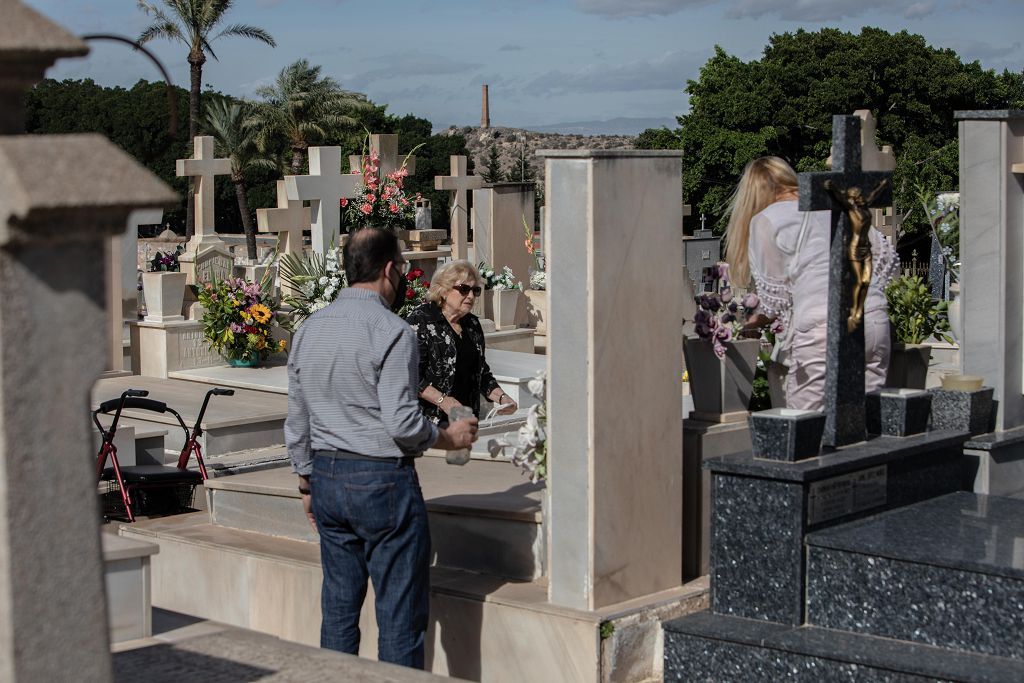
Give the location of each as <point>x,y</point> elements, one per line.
<point>493,173</point>
<point>315,280</point>
<point>782,104</point>
<point>914,314</point>
<point>303,108</point>
<point>607,629</point>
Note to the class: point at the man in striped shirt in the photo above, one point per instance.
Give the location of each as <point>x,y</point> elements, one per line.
<point>353,431</point>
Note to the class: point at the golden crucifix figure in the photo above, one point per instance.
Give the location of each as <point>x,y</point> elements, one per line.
<point>859,250</point>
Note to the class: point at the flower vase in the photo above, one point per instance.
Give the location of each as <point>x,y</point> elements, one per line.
<point>537,309</point>
<point>955,321</point>
<point>908,366</point>
<point>483,307</point>
<point>506,301</point>
<point>164,292</point>
<point>248,362</point>
<point>721,388</point>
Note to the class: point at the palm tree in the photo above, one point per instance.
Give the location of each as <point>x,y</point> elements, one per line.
<point>225,120</point>
<point>301,107</point>
<point>192,22</point>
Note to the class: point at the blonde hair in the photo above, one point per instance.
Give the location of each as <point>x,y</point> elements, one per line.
<point>448,276</point>
<point>763,180</point>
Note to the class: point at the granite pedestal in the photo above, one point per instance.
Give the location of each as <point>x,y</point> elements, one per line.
<point>762,509</point>
<point>898,412</point>
<point>969,411</point>
<point>787,435</point>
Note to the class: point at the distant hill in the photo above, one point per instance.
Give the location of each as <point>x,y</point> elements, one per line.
<point>509,142</point>
<point>617,126</point>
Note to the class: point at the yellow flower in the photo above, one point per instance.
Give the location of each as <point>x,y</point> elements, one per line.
<point>281,345</point>
<point>261,344</point>
<point>260,312</point>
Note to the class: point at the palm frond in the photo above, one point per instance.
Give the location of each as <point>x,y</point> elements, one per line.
<point>247,31</point>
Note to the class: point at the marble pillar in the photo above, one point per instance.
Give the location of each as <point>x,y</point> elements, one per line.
<point>614,366</point>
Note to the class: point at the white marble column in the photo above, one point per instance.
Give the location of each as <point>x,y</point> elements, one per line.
<point>615,364</point>
<point>992,255</point>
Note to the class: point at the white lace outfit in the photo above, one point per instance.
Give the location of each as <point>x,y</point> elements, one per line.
<point>794,288</point>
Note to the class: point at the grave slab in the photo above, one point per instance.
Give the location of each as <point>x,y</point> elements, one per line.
<point>757,568</point>
<point>127,580</point>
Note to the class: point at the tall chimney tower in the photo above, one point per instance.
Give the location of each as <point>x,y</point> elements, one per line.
<point>485,114</point>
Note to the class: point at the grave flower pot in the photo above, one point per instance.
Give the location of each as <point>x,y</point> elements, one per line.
<point>506,301</point>
<point>962,411</point>
<point>898,412</point>
<point>165,294</point>
<point>537,309</point>
<point>249,362</point>
<point>786,434</point>
<point>908,366</point>
<point>483,307</point>
<point>721,389</point>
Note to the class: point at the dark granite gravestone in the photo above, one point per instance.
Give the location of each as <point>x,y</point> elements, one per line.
<point>844,377</point>
<point>701,252</point>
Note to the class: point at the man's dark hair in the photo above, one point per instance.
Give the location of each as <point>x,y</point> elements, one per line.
<point>367,251</point>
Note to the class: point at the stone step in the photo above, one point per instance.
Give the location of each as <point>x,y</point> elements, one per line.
<point>712,647</point>
<point>138,442</point>
<point>249,419</point>
<point>126,564</point>
<point>482,627</point>
<point>947,572</point>
<point>484,517</point>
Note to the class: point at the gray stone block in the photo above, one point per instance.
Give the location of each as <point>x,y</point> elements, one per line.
<point>898,412</point>
<point>962,411</point>
<point>786,434</point>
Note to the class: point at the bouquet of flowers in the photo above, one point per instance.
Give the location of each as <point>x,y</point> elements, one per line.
<point>528,447</point>
<point>166,261</point>
<point>238,319</point>
<point>415,293</point>
<point>506,279</point>
<point>381,201</point>
<point>720,316</point>
<point>316,279</point>
<point>538,273</point>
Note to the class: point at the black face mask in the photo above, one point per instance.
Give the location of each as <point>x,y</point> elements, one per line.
<point>403,284</point>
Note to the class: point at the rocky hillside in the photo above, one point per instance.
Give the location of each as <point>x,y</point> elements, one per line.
<point>510,142</point>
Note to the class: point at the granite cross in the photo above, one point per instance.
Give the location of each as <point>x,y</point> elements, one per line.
<point>288,220</point>
<point>458,185</point>
<point>324,188</point>
<point>386,147</point>
<point>844,374</point>
<point>204,168</point>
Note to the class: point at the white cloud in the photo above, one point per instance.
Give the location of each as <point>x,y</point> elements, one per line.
<point>390,66</point>
<point>637,8</point>
<point>666,72</point>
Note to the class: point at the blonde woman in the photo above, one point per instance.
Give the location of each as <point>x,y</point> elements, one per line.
<point>453,369</point>
<point>785,251</point>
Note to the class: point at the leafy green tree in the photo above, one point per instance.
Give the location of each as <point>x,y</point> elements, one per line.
<point>192,22</point>
<point>303,108</point>
<point>521,169</point>
<point>225,120</point>
<point>492,172</point>
<point>783,103</point>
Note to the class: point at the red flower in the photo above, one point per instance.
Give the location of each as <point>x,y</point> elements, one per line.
<point>393,207</point>
<point>366,209</point>
<point>370,198</point>
<point>415,273</point>
<point>344,202</point>
<point>409,293</point>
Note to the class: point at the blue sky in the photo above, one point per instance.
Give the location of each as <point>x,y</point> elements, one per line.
<point>546,61</point>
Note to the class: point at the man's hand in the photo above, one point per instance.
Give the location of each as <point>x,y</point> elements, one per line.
<point>307,501</point>
<point>460,434</point>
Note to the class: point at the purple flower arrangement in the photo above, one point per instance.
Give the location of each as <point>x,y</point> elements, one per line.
<point>720,317</point>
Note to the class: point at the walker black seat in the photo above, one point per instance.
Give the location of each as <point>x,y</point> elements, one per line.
<point>154,475</point>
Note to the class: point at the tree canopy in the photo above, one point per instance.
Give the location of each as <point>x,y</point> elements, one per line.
<point>782,104</point>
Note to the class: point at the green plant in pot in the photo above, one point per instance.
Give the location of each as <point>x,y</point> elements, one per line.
<point>914,317</point>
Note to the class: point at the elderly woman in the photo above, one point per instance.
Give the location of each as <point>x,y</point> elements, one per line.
<point>453,370</point>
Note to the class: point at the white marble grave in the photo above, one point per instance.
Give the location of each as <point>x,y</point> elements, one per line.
<point>324,188</point>
<point>458,184</point>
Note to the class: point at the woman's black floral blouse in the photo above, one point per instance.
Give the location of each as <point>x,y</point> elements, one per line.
<point>438,346</point>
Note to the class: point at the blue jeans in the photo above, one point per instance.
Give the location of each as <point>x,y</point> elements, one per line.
<point>373,523</point>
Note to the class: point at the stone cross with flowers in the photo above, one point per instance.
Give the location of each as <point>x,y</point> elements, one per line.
<point>380,200</point>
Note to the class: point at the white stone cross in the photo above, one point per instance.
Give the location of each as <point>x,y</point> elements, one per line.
<point>288,220</point>
<point>324,188</point>
<point>204,168</point>
<point>458,184</point>
<point>386,147</point>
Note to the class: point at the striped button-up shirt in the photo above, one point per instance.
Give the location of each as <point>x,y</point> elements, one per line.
<point>352,383</point>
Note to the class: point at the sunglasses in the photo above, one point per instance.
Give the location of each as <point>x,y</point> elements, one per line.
<point>466,289</point>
